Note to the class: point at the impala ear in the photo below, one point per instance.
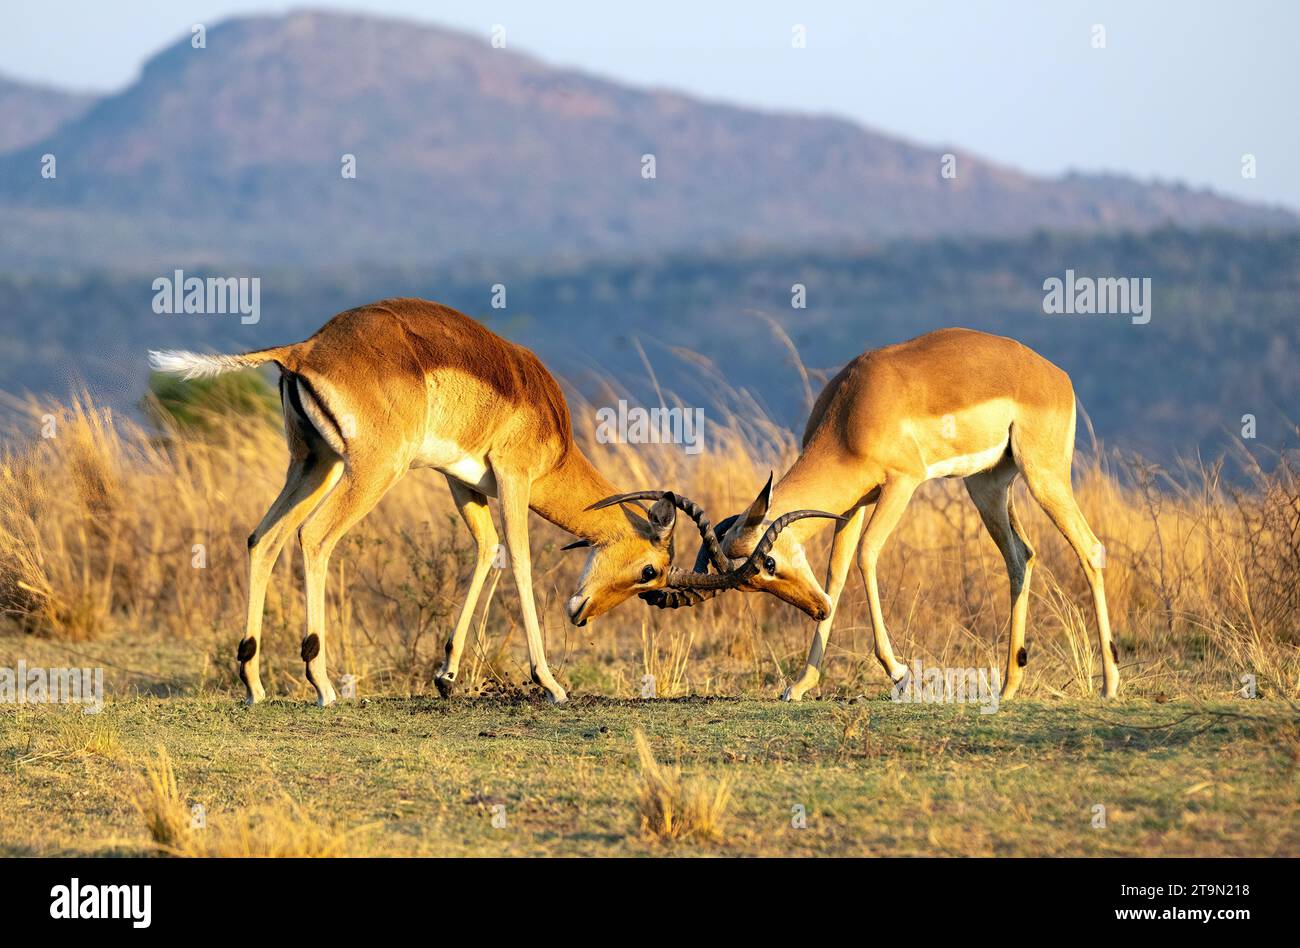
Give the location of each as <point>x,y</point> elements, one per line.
<point>638,522</point>
<point>662,517</point>
<point>757,512</point>
<point>577,544</point>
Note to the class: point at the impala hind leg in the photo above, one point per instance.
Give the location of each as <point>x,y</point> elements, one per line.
<point>473,507</point>
<point>310,477</point>
<point>350,500</point>
<point>894,495</point>
<point>514,515</point>
<point>847,534</point>
<point>1051,488</point>
<point>991,492</point>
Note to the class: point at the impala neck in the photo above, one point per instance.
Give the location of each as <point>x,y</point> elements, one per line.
<point>563,496</point>
<point>816,484</point>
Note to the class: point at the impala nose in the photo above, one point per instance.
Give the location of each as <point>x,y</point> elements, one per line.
<point>577,606</point>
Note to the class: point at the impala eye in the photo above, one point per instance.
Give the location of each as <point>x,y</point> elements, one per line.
<point>769,564</point>
<point>648,574</point>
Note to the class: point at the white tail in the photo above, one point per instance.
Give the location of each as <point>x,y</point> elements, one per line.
<point>196,365</point>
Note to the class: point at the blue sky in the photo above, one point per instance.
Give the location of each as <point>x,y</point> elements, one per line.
<point>1182,90</point>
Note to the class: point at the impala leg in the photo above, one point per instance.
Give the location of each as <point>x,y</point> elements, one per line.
<point>514,514</point>
<point>843,546</point>
<point>473,507</point>
<point>893,499</point>
<point>991,492</point>
<point>1054,494</point>
<point>310,478</point>
<point>348,502</point>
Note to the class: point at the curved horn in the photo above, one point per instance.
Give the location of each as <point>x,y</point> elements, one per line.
<point>712,583</point>
<point>670,598</point>
<point>748,568</point>
<point>675,597</point>
<point>709,545</point>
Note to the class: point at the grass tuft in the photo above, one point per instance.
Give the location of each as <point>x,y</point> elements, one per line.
<point>670,808</point>
<point>284,829</point>
<point>158,801</point>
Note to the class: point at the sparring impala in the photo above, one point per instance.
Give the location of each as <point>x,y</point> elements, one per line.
<point>406,383</point>
<point>951,403</point>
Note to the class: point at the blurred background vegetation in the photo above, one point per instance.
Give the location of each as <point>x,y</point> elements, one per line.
<point>1223,340</point>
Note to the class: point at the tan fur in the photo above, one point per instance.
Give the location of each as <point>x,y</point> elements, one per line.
<point>407,383</point>
<point>950,403</point>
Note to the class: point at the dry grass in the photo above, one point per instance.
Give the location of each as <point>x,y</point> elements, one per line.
<point>108,529</point>
<point>281,829</point>
<point>423,777</point>
<point>670,808</point>
<point>164,812</point>
<point>664,666</point>
<point>87,735</point>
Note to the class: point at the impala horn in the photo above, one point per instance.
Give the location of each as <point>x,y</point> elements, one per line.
<point>670,597</point>
<point>688,588</point>
<point>710,548</point>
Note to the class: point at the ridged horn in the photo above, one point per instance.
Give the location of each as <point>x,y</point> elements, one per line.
<point>709,545</point>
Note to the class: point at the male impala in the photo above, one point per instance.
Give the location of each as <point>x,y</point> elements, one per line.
<point>407,383</point>
<point>951,403</point>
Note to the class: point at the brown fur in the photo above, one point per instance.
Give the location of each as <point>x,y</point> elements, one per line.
<point>408,383</point>
<point>954,402</point>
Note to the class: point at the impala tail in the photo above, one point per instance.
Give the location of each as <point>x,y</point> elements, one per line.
<point>197,365</point>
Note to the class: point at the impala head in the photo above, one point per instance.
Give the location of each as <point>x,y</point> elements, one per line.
<point>635,560</point>
<point>748,551</point>
<point>782,568</point>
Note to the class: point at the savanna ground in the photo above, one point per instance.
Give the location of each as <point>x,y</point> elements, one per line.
<point>123,547</point>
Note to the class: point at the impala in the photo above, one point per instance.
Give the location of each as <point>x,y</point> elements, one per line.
<point>406,383</point>
<point>951,403</point>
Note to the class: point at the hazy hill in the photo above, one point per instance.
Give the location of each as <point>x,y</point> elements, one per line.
<point>29,113</point>
<point>232,154</point>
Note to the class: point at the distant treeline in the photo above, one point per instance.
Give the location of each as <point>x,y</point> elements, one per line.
<point>1222,341</point>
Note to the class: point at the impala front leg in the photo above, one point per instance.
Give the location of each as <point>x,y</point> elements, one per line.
<point>894,496</point>
<point>847,534</point>
<point>514,513</point>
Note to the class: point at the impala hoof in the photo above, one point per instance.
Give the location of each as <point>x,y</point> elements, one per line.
<point>808,679</point>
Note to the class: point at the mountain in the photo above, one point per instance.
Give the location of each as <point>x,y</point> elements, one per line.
<point>29,113</point>
<point>232,155</point>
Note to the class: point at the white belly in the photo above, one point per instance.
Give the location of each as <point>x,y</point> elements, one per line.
<point>454,461</point>
<point>964,465</point>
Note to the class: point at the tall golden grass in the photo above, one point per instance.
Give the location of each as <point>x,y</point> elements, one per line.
<point>109,528</point>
